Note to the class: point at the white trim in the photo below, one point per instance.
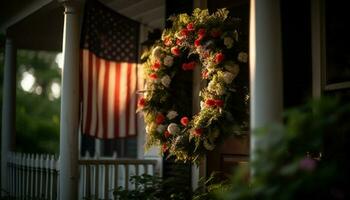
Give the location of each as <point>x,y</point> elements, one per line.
<point>337,86</point>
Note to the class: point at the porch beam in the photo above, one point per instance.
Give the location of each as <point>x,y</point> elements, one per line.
<point>8,109</point>
<point>265,51</point>
<point>69,124</point>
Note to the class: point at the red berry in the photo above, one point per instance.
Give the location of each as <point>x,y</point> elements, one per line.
<point>190,27</point>
<point>197,42</point>
<point>175,51</point>
<point>142,102</point>
<point>160,118</point>
<point>184,32</point>
<point>156,66</point>
<point>198,132</point>
<point>184,121</point>
<point>164,147</point>
<point>210,102</point>
<point>153,76</point>
<point>219,57</point>
<point>167,134</point>
<point>189,66</point>
<point>201,32</point>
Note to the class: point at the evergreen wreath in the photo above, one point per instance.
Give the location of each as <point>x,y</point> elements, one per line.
<point>213,43</point>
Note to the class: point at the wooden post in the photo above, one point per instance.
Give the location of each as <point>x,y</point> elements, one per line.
<point>8,109</point>
<point>265,66</point>
<point>69,127</point>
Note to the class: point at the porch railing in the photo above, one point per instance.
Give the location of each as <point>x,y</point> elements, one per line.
<point>37,176</point>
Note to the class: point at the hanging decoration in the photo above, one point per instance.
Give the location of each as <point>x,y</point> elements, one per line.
<point>211,43</point>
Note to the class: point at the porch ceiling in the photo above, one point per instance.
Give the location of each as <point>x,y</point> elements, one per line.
<point>38,24</point>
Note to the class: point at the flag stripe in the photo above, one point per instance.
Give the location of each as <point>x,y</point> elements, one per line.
<point>127,108</point>
<point>116,100</point>
<point>100,74</point>
<point>122,95</point>
<point>93,128</point>
<point>89,92</point>
<point>105,100</point>
<point>132,108</point>
<point>111,97</point>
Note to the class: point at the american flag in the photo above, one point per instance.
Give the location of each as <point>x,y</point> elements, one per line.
<point>109,51</point>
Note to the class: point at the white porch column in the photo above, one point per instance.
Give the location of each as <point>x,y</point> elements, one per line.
<point>69,127</point>
<point>8,108</point>
<point>265,65</point>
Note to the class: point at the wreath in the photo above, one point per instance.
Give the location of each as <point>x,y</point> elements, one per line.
<point>211,42</point>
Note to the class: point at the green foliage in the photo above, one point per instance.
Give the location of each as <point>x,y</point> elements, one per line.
<point>149,187</point>
<point>305,159</point>
<point>37,115</point>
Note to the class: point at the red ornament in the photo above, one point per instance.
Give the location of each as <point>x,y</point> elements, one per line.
<point>142,102</point>
<point>167,134</point>
<point>189,66</point>
<point>175,51</point>
<point>156,66</point>
<point>164,147</point>
<point>184,121</point>
<point>160,118</point>
<point>190,27</point>
<point>219,57</point>
<point>210,102</point>
<point>153,76</point>
<point>198,132</point>
<point>197,42</point>
<point>201,32</point>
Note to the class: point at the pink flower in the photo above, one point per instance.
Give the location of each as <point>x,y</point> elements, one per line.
<point>307,164</point>
<point>175,51</point>
<point>184,121</point>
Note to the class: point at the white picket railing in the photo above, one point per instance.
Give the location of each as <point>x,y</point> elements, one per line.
<point>36,176</point>
<point>32,176</point>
